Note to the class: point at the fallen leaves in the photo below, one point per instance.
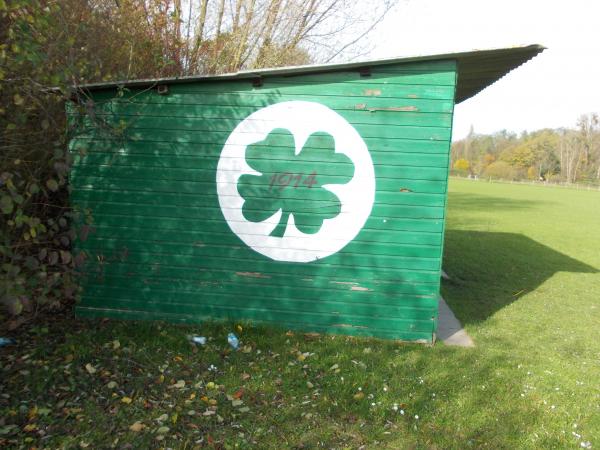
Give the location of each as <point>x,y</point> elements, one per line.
<point>302,356</point>
<point>126,400</point>
<point>239,393</point>
<point>111,384</point>
<point>311,336</point>
<point>179,385</point>
<point>90,369</point>
<point>32,413</point>
<point>137,427</point>
<point>44,411</point>
<point>359,395</point>
<point>8,429</point>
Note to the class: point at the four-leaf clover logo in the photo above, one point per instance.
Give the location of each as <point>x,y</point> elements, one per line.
<point>294,182</point>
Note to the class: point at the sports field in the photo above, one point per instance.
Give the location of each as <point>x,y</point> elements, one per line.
<point>524,263</point>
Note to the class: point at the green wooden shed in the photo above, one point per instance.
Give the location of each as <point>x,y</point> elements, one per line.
<point>309,197</point>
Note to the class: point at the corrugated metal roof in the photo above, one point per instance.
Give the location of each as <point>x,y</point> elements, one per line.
<point>477,69</point>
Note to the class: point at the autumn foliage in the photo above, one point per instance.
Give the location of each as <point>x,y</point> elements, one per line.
<point>558,155</point>
<point>49,48</point>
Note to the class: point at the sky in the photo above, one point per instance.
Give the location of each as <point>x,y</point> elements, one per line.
<point>550,91</point>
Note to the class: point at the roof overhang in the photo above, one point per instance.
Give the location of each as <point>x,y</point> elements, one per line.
<point>477,69</point>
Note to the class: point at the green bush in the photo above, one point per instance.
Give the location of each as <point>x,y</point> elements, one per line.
<point>35,233</point>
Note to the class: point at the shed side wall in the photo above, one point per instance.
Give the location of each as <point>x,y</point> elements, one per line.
<point>159,246</point>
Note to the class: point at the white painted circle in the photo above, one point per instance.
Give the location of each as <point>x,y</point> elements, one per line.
<point>356,197</point>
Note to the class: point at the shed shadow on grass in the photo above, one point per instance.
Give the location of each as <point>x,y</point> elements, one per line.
<point>490,270</point>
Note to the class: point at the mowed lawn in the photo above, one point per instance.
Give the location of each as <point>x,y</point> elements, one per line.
<point>524,263</point>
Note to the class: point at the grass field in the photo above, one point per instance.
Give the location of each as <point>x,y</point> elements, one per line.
<point>524,263</point>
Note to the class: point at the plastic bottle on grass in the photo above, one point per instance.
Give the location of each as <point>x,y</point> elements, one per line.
<point>233,341</point>
<point>6,341</point>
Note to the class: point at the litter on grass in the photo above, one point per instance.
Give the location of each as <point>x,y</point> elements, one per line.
<point>6,341</point>
<point>233,341</point>
<point>198,340</point>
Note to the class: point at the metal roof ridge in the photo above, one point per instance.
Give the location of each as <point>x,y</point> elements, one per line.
<point>312,68</point>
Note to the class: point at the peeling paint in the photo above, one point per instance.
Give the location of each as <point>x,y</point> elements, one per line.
<point>252,275</point>
<point>395,108</point>
<point>199,244</point>
<point>364,106</point>
<point>347,325</point>
<point>360,288</point>
<point>372,92</point>
<point>405,190</point>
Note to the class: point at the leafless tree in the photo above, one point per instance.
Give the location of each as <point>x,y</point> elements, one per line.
<point>588,139</point>
<point>236,34</point>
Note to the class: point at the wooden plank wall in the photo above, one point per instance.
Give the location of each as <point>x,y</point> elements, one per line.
<point>159,247</point>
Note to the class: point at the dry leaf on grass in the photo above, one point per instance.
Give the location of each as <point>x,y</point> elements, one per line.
<point>137,426</point>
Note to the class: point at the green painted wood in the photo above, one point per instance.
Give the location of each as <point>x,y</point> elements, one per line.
<point>166,160</point>
<point>207,144</point>
<point>219,131</point>
<point>90,198</point>
<point>387,176</point>
<point>317,312</point>
<point>118,265</point>
<point>390,226</point>
<point>207,106</point>
<point>196,237</point>
<point>189,118</point>
<point>163,246</point>
<point>270,285</point>
<point>424,251</point>
<point>358,295</point>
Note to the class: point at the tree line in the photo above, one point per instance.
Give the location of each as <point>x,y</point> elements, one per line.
<point>560,155</point>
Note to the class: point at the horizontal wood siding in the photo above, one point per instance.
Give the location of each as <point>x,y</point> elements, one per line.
<point>160,248</point>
